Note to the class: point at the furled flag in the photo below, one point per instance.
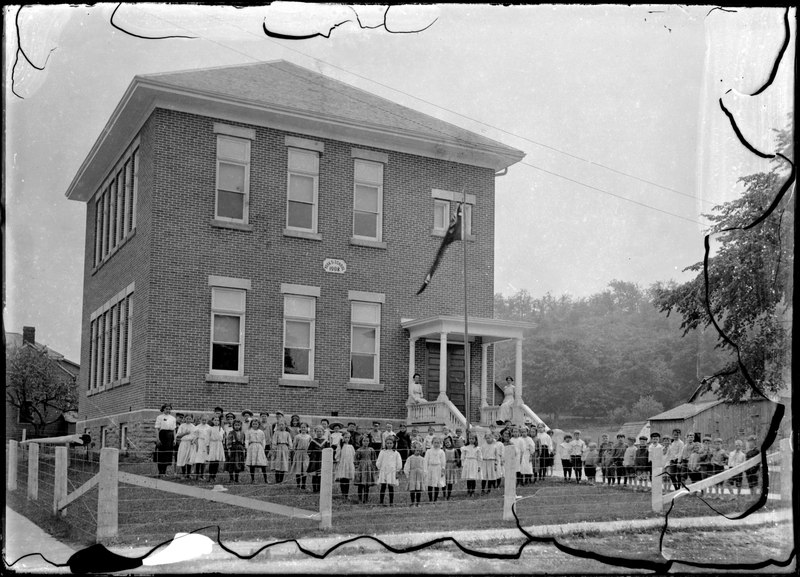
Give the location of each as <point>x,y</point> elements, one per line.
<point>453,233</point>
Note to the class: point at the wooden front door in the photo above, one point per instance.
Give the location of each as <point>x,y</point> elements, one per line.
<point>455,374</point>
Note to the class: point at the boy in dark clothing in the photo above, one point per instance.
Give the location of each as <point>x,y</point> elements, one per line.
<point>752,473</point>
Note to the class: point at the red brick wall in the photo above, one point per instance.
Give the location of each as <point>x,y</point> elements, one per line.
<point>172,307</point>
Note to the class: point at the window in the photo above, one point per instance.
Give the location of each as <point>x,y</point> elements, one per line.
<point>299,319</point>
<point>227,331</point>
<point>368,200</point>
<point>365,336</point>
<point>442,214</point>
<point>110,341</point>
<point>115,206</point>
<point>123,437</point>
<point>233,179</point>
<point>303,177</point>
<point>103,435</point>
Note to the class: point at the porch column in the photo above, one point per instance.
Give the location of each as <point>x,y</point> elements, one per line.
<point>442,366</point>
<point>518,373</point>
<point>412,349</point>
<point>484,357</point>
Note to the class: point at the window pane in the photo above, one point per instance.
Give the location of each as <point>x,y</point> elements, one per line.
<point>230,205</point>
<point>468,218</point>
<point>233,149</point>
<point>366,198</point>
<point>296,306</point>
<point>362,366</point>
<point>303,161</point>
<point>226,357</point>
<point>298,334</point>
<point>369,172</point>
<point>365,224</point>
<point>231,177</point>
<point>295,361</point>
<point>226,329</point>
<point>366,313</point>
<point>227,299</point>
<point>440,215</point>
<point>301,215</point>
<point>301,188</point>
<point>363,340</point>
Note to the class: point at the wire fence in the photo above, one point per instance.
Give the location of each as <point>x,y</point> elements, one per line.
<point>147,515</point>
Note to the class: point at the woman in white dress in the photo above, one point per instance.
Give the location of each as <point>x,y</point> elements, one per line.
<point>417,394</point>
<point>506,411</point>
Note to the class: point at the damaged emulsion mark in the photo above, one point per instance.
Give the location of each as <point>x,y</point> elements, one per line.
<point>21,51</point>
<point>111,21</point>
<point>279,35</point>
<point>781,52</point>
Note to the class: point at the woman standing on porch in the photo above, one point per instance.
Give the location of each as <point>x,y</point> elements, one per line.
<point>506,411</point>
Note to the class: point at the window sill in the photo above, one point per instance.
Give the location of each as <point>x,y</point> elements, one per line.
<point>441,233</point>
<point>114,251</point>
<point>211,378</point>
<point>353,386</point>
<point>303,383</point>
<point>302,234</point>
<point>369,243</point>
<point>109,386</point>
<point>231,225</point>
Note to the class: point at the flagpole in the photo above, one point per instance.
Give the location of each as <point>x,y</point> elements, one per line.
<point>466,322</point>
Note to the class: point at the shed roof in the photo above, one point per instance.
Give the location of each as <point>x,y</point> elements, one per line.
<point>685,411</point>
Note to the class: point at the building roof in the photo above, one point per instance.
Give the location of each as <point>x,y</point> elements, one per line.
<point>634,429</point>
<point>288,97</point>
<point>685,411</point>
<point>14,340</point>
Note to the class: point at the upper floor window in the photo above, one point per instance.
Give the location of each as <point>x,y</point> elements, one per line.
<point>368,200</point>
<point>233,179</point>
<point>115,205</point>
<point>227,331</point>
<point>303,190</point>
<point>111,329</point>
<point>444,204</point>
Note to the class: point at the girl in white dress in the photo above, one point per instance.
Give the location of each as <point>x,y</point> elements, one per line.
<point>281,441</point>
<point>202,435</point>
<point>186,448</point>
<point>388,464</point>
<point>435,461</point>
<point>471,457</point>
<point>216,448</point>
<point>256,458</point>
<point>300,458</point>
<point>528,457</point>
<point>491,453</point>
<point>345,455</point>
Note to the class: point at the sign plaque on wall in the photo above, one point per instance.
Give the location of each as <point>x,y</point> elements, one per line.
<point>336,265</point>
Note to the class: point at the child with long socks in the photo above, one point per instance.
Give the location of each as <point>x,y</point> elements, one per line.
<point>365,469</point>
<point>281,441</point>
<point>186,448</point>
<point>256,457</point>
<point>435,461</point>
<point>315,447</point>
<point>471,457</point>
<point>491,453</point>
<point>450,470</point>
<point>415,472</point>
<point>300,456</point>
<point>216,449</point>
<point>389,464</point>
<point>345,455</point>
<point>236,451</point>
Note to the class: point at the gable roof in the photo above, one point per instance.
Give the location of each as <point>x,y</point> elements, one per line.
<point>685,411</point>
<point>288,97</point>
<point>15,340</point>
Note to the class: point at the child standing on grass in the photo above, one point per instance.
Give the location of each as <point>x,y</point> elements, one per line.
<point>528,457</point>
<point>281,441</point>
<point>565,454</point>
<point>300,456</point>
<point>216,448</point>
<point>265,427</point>
<point>471,458</point>
<point>629,462</point>
<point>186,448</point>
<point>236,451</point>
<point>606,451</point>
<point>519,446</point>
<point>315,457</point>
<point>389,464</point>
<point>640,463</point>
<point>450,467</point>
<point>256,458</point>
<point>736,457</point>
<point>590,459</point>
<point>435,462</point>
<point>415,472</point>
<point>752,473</point>
<point>719,458</point>
<point>490,458</point>
<point>202,433</point>
<point>365,469</point>
<point>345,456</point>
<point>578,447</point>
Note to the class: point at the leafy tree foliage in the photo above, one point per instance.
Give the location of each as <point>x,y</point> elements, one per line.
<point>38,387</point>
<point>749,283</point>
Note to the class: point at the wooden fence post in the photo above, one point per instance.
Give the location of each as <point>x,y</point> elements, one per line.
<point>11,478</point>
<point>60,480</point>
<point>656,481</point>
<point>33,471</point>
<point>326,489</point>
<point>510,461</point>
<point>107,495</point>
<point>786,472</point>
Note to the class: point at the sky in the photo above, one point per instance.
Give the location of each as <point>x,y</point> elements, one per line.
<point>615,107</point>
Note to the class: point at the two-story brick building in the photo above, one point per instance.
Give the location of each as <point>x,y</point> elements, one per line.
<point>255,237</point>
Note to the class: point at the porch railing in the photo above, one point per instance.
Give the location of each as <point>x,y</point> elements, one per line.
<point>440,411</point>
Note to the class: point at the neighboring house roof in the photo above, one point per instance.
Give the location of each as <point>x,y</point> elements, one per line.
<point>287,97</point>
<point>14,340</point>
<point>685,411</point>
<point>634,429</point>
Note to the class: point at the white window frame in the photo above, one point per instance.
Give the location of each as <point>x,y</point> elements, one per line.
<point>238,162</point>
<point>103,436</point>
<point>360,324</point>
<point>379,185</point>
<point>123,437</point>
<point>448,199</point>
<point>315,176</point>
<point>231,313</point>
<point>312,321</point>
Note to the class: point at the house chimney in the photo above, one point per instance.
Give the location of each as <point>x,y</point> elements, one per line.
<point>29,335</point>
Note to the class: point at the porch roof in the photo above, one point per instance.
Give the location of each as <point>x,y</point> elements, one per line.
<point>490,330</point>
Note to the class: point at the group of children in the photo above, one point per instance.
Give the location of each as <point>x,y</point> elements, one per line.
<point>627,462</point>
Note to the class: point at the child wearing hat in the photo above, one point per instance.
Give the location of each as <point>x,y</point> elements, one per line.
<point>640,464</point>
<point>578,447</point>
<point>751,450</point>
<point>565,454</point>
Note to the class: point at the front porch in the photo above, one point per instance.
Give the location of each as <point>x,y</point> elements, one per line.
<point>444,375</point>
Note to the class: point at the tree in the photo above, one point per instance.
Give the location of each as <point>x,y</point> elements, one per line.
<point>38,386</point>
<point>749,283</point>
